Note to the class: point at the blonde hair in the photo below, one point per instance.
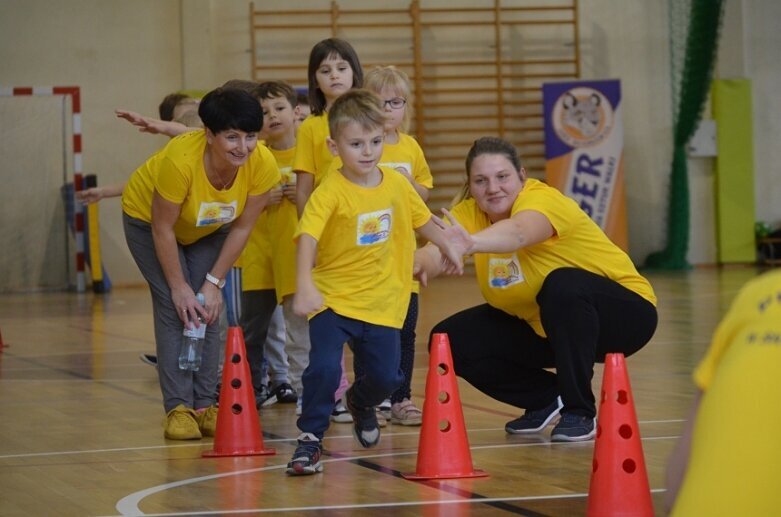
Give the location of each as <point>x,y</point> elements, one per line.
<point>360,106</point>
<point>394,79</point>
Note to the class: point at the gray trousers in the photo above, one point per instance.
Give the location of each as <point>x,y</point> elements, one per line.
<point>274,349</point>
<point>192,389</point>
<point>297,345</point>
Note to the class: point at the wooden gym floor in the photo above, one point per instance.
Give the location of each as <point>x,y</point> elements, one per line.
<point>80,421</point>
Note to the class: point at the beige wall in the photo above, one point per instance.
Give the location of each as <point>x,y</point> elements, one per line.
<point>129,54</point>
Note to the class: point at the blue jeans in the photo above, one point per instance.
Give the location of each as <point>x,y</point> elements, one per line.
<point>375,347</point>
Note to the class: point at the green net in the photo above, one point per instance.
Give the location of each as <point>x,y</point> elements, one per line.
<point>691,74</point>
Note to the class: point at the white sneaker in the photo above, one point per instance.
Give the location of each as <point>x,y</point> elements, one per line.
<point>340,413</point>
<point>385,408</point>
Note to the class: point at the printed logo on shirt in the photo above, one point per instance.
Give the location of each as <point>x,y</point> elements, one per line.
<point>404,168</point>
<point>374,227</point>
<point>504,272</point>
<point>216,213</point>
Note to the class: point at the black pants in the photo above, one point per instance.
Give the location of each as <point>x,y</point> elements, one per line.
<point>585,316</point>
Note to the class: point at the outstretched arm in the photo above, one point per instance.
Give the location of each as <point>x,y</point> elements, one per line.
<point>523,229</point>
<point>95,194</point>
<point>153,125</point>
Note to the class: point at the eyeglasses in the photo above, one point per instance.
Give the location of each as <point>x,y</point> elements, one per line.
<point>396,103</point>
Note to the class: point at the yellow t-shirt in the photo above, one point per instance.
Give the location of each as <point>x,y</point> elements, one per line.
<point>365,247</point>
<point>283,219</point>
<point>511,281</point>
<point>734,465</point>
<point>312,154</point>
<point>176,172</point>
<point>407,155</point>
<point>257,259</point>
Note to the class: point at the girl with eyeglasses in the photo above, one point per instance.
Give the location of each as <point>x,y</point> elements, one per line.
<point>402,153</point>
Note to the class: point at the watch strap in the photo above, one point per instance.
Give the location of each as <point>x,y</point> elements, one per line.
<point>214,280</point>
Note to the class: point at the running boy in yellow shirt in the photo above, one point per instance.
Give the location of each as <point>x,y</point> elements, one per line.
<point>354,275</point>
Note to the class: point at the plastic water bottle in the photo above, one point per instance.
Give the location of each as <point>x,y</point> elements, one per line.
<point>192,343</point>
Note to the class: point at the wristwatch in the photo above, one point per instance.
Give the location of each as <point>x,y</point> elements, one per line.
<point>219,282</point>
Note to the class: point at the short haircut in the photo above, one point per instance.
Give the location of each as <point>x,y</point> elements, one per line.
<point>303,99</point>
<point>169,102</point>
<point>271,89</point>
<point>393,79</point>
<point>360,106</point>
<point>321,51</point>
<point>230,108</point>
<point>241,84</point>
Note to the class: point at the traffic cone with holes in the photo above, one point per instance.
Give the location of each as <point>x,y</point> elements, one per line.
<point>238,426</point>
<point>619,481</point>
<point>443,450</point>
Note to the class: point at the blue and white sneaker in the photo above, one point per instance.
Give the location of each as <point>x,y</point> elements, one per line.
<point>306,458</point>
<point>535,420</point>
<point>574,428</point>
<point>366,429</point>
<point>340,414</point>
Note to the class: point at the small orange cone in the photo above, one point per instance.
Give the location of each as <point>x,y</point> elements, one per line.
<point>619,481</point>
<point>443,450</point>
<point>238,426</point>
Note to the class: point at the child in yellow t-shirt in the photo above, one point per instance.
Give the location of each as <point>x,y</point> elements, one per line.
<point>715,469</point>
<point>403,154</point>
<point>269,260</point>
<point>334,68</point>
<point>354,275</point>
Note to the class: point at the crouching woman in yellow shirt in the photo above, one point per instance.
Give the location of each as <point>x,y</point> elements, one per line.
<point>187,213</point>
<point>559,295</point>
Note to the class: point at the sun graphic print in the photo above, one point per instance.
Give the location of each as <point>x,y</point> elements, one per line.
<point>374,227</point>
<point>504,272</point>
<point>216,213</point>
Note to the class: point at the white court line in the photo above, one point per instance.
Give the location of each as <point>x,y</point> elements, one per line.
<point>128,505</point>
<point>383,505</point>
<point>272,440</point>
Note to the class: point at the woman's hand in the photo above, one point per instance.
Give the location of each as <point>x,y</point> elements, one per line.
<point>212,303</point>
<point>187,306</point>
<point>457,235</point>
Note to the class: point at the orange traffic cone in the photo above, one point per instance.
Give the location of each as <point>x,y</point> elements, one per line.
<point>443,450</point>
<point>619,481</point>
<point>238,426</point>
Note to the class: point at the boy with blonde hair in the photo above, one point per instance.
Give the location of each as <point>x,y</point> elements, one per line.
<point>354,275</point>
